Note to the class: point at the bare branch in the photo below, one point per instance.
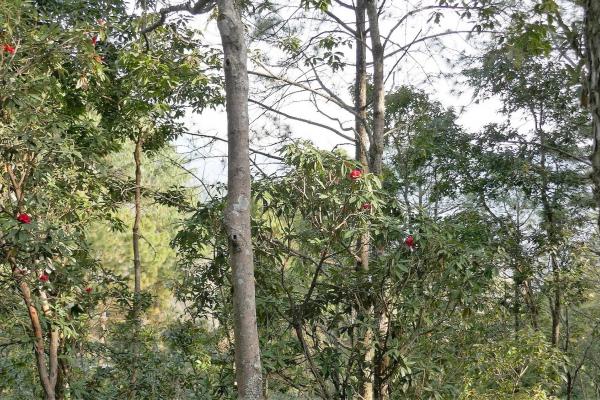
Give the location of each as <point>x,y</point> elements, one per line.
<point>201,7</point>
<point>425,38</point>
<point>342,23</point>
<point>303,120</point>
<point>337,102</point>
<point>345,5</point>
<point>262,153</point>
<point>326,115</point>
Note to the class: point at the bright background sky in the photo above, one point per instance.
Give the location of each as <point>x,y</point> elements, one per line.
<point>423,68</point>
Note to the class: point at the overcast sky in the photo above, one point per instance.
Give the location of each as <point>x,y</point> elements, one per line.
<point>421,68</point>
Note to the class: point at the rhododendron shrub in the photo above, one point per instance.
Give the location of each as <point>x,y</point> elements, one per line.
<point>71,96</point>
<point>51,145</point>
<point>306,224</point>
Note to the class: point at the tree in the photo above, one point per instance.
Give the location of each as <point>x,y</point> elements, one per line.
<point>429,262</point>
<point>237,214</point>
<point>592,47</point>
<point>43,115</point>
<point>74,96</point>
<point>545,164</point>
<point>305,225</point>
<point>239,200</point>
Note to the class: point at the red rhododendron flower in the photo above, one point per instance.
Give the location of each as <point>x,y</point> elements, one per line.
<point>9,49</point>
<point>88,289</point>
<point>44,277</point>
<point>24,218</point>
<point>410,241</point>
<point>355,174</point>
<point>366,206</point>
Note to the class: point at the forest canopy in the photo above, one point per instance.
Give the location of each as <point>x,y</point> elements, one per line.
<point>367,199</point>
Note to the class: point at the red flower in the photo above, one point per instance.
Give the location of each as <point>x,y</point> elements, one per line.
<point>88,289</point>
<point>355,174</point>
<point>366,206</point>
<point>24,218</point>
<point>44,277</point>
<point>94,40</point>
<point>410,241</point>
<point>8,48</point>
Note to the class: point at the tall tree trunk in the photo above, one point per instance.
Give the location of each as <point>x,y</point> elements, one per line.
<point>556,306</point>
<point>237,214</point>
<point>550,227</point>
<point>517,308</point>
<point>570,376</point>
<point>360,107</point>
<point>592,45</point>
<point>360,85</point>
<point>529,297</point>
<point>376,148</point>
<point>362,143</point>
<point>137,260</point>
<point>378,386</point>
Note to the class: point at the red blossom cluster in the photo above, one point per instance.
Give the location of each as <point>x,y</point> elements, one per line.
<point>355,174</point>
<point>9,48</point>
<point>410,242</point>
<point>24,218</point>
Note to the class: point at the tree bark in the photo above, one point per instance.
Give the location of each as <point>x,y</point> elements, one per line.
<point>376,148</point>
<point>360,106</point>
<point>592,45</point>
<point>556,306</point>
<point>62,378</point>
<point>237,214</point>
<point>529,297</point>
<point>362,142</point>
<point>360,85</point>
<point>47,380</point>
<point>555,302</point>
<point>54,342</point>
<point>517,308</point>
<point>570,378</point>
<point>137,261</point>
<point>376,387</point>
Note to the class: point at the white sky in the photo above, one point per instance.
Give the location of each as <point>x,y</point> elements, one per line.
<point>419,69</point>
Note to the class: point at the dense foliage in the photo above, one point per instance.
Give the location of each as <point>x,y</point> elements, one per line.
<point>482,281</point>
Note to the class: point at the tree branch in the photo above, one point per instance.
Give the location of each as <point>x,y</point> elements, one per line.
<point>334,100</point>
<point>262,153</point>
<point>201,7</point>
<point>340,134</point>
<point>551,148</point>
